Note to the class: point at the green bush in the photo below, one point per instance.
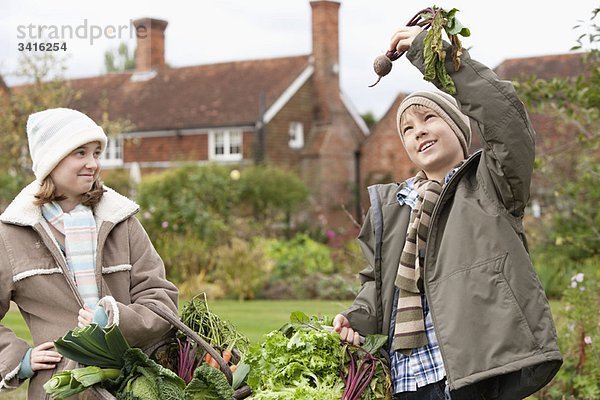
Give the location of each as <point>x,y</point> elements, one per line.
<point>271,193</point>
<point>185,255</point>
<point>554,269</point>
<point>306,269</point>
<point>10,186</point>
<point>241,267</point>
<point>118,179</point>
<point>189,200</point>
<point>299,257</point>
<point>579,337</point>
<point>218,202</point>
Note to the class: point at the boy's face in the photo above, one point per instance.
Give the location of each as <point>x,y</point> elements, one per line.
<point>430,142</point>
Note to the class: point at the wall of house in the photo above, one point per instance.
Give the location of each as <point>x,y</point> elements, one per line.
<point>176,148</point>
<point>298,109</point>
<point>383,158</point>
<point>332,175</point>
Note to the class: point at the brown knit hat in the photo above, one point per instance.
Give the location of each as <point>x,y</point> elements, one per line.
<point>446,107</point>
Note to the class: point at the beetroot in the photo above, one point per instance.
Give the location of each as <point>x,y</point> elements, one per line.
<point>438,19</point>
<point>382,66</point>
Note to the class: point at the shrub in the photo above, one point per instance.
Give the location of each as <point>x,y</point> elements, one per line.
<point>554,269</point>
<point>272,193</point>
<point>10,186</point>
<point>118,179</point>
<point>185,255</point>
<point>579,338</point>
<point>190,200</point>
<point>240,267</point>
<point>299,257</point>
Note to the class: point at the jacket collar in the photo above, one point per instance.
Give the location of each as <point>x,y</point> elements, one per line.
<point>113,207</point>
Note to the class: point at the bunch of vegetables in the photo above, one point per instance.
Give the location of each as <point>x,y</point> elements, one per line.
<point>305,360</point>
<point>127,371</point>
<point>435,19</point>
<point>220,334</point>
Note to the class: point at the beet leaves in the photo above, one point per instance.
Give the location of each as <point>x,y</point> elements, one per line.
<point>435,20</point>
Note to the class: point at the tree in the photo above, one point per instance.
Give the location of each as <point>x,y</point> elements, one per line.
<point>572,168</point>
<point>46,89</point>
<point>120,59</point>
<point>369,119</point>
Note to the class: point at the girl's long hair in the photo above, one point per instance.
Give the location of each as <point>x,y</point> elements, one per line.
<point>48,194</point>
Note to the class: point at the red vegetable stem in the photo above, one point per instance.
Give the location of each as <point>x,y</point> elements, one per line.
<point>359,381</point>
<point>413,21</point>
<point>351,374</point>
<point>366,382</point>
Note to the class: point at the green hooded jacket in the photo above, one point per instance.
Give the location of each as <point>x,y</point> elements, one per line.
<point>490,313</point>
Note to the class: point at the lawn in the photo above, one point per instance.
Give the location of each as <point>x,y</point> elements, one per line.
<point>252,318</point>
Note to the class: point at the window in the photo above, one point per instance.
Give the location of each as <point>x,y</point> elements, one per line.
<point>296,134</point>
<point>113,155</point>
<point>225,145</point>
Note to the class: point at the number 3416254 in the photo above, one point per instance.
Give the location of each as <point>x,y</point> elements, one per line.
<point>42,46</point>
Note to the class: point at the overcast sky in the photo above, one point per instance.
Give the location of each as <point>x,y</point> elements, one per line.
<point>202,32</point>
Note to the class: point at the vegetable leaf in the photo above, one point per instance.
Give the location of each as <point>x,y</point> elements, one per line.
<point>239,375</point>
<point>94,345</point>
<point>373,343</point>
<point>208,384</point>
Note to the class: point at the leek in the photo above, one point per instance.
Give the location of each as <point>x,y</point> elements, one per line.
<point>94,345</point>
<point>65,384</point>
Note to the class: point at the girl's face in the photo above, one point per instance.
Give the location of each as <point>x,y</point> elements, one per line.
<point>75,174</point>
<point>430,142</point>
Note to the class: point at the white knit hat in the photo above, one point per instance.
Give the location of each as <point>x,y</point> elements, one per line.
<point>54,133</point>
<point>446,107</point>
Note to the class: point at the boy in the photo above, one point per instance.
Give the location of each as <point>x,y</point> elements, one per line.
<point>449,277</point>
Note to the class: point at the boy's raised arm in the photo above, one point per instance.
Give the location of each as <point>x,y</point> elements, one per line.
<point>507,137</point>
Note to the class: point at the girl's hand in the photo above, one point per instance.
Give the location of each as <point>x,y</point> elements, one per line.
<point>403,38</point>
<point>341,325</point>
<point>42,357</point>
<point>85,317</point>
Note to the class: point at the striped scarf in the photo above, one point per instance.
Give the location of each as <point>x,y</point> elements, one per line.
<point>79,228</point>
<point>409,330</point>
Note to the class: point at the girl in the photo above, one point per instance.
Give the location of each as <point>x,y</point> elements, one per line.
<point>72,253</point>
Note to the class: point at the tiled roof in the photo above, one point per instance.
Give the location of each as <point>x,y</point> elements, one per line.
<point>224,94</point>
<point>544,67</point>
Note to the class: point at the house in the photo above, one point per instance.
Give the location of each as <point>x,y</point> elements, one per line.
<point>385,160</point>
<point>286,111</point>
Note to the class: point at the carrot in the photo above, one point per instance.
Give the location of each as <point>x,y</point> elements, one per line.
<point>233,367</point>
<point>227,355</point>
<point>211,361</point>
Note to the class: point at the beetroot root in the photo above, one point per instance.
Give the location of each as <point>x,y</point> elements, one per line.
<point>382,66</point>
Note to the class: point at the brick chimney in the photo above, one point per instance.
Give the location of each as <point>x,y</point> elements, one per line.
<point>326,54</point>
<point>150,53</point>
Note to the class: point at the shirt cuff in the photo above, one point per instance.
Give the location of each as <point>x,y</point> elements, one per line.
<point>25,371</point>
<point>100,317</point>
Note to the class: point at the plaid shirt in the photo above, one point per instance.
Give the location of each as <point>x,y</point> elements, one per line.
<point>425,364</point>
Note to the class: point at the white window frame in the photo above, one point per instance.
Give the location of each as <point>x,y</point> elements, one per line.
<point>113,154</point>
<point>227,135</point>
<point>296,135</point>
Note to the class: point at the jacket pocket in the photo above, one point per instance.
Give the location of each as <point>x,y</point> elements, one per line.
<point>35,271</point>
<point>478,319</point>
<point>116,282</point>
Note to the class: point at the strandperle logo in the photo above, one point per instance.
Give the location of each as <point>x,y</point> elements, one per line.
<point>85,30</point>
